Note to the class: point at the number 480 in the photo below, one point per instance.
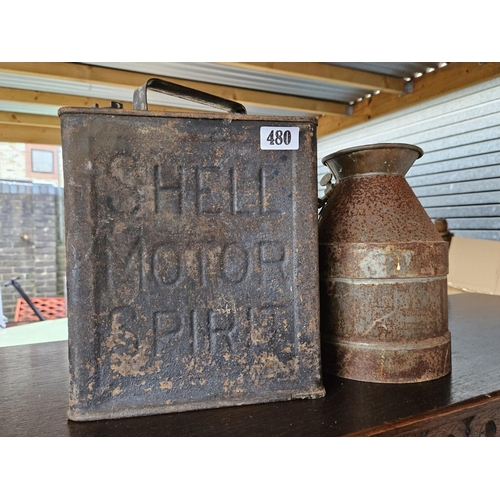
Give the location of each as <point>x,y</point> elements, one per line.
<point>278,137</point>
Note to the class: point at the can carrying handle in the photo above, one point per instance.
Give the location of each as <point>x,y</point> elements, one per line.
<point>140,101</point>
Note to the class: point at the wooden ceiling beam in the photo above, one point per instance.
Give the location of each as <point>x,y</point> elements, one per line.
<point>30,134</point>
<point>30,120</point>
<point>30,128</point>
<point>47,98</point>
<point>329,73</point>
<point>89,74</point>
<point>22,96</point>
<point>451,78</point>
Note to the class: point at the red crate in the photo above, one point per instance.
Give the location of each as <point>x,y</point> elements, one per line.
<point>49,307</point>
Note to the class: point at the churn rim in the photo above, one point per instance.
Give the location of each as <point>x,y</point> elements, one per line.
<point>380,145</point>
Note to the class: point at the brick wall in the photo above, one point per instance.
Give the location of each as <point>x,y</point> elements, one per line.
<point>28,241</point>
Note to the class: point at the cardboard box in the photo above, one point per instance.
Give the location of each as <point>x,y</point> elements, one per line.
<point>474,266</point>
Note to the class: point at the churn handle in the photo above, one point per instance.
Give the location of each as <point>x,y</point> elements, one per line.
<point>141,103</point>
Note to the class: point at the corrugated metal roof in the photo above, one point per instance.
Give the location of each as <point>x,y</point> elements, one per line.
<point>238,77</point>
<point>396,69</point>
<point>209,72</point>
<point>227,75</point>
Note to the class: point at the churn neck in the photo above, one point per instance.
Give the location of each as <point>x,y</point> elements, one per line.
<point>373,159</point>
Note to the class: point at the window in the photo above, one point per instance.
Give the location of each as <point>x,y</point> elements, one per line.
<point>42,161</point>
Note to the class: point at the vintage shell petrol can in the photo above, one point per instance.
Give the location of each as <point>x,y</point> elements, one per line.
<point>191,258</point>
<point>383,266</point>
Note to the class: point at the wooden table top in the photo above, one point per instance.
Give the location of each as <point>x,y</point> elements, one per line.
<point>34,393</point>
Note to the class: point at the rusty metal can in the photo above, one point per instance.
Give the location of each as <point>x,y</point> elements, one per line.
<point>383,270</point>
<point>191,258</point>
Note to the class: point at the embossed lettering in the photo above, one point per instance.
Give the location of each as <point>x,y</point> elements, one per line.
<point>235,262</point>
<point>226,329</point>
<point>196,332</point>
<point>204,263</point>
<point>272,259</point>
<point>127,194</point>
<point>126,263</point>
<point>128,349</point>
<point>269,321</point>
<point>166,265</point>
<point>169,197</point>
<point>222,327</point>
<point>213,191</point>
<point>121,337</point>
<point>236,194</point>
<point>168,328</point>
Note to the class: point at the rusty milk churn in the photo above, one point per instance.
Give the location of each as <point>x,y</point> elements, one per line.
<point>383,270</point>
<point>192,260</point>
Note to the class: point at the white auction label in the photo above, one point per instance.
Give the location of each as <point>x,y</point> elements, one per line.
<point>279,137</point>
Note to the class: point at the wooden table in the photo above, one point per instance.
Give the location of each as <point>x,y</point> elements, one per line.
<point>34,396</point>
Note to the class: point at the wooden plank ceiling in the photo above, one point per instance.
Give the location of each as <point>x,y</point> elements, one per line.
<point>339,95</point>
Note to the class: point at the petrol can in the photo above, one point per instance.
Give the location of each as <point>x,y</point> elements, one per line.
<point>192,262</point>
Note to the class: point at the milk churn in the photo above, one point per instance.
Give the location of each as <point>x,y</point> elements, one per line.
<point>383,272</point>
<point>191,257</point>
